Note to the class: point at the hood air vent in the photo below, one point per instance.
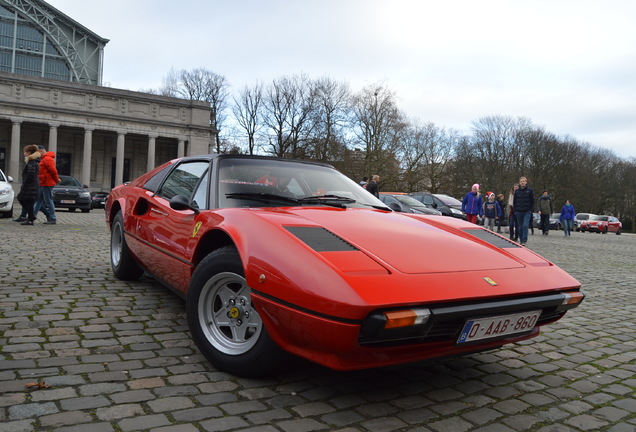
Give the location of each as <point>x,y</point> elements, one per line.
<point>492,238</point>
<point>320,239</point>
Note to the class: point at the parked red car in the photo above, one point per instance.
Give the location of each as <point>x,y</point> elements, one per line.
<point>277,256</point>
<point>602,224</point>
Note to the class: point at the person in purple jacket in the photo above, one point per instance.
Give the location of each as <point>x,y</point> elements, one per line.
<point>567,217</point>
<point>471,204</point>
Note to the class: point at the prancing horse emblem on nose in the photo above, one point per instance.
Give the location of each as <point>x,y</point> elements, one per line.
<point>490,281</point>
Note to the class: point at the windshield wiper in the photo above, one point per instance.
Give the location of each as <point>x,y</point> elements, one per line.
<point>262,197</point>
<point>332,200</point>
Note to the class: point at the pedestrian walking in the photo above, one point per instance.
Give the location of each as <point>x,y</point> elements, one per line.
<point>513,228</point>
<point>523,203</point>
<point>545,209</point>
<point>471,204</point>
<point>364,182</point>
<point>567,217</point>
<point>30,182</point>
<point>491,212</point>
<point>372,186</point>
<point>48,178</point>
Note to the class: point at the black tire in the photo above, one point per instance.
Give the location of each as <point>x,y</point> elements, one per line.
<point>619,231</point>
<point>605,230</point>
<point>86,210</point>
<point>122,262</point>
<point>7,215</point>
<point>224,325</point>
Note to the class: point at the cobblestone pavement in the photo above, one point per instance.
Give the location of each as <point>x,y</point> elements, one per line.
<point>117,356</point>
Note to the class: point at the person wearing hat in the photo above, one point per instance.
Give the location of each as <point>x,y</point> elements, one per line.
<point>471,204</point>
<point>48,179</point>
<point>491,212</point>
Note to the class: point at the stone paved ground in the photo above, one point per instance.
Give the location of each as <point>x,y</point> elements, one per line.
<point>117,355</point>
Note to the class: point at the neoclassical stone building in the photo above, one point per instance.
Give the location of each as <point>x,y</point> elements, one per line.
<point>50,94</point>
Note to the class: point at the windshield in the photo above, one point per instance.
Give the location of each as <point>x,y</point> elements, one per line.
<point>272,183</point>
<point>556,215</point>
<point>409,201</point>
<point>599,218</point>
<point>448,200</point>
<point>69,181</point>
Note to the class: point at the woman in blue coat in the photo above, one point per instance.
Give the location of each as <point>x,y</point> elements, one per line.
<point>567,217</point>
<point>471,204</point>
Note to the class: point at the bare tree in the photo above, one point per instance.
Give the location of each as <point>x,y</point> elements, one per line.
<point>329,119</point>
<point>247,112</point>
<point>288,104</point>
<point>426,155</point>
<point>200,84</point>
<point>376,123</point>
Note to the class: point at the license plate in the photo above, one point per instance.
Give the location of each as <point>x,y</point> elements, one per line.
<point>67,202</point>
<point>495,327</point>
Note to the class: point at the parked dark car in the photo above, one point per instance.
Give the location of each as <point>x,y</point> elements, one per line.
<point>446,204</point>
<point>71,194</point>
<point>98,199</point>
<point>406,204</point>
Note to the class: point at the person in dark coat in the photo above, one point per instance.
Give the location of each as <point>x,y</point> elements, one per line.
<point>523,204</point>
<point>372,186</point>
<point>30,182</point>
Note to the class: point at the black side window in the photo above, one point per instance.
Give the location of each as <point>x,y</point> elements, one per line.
<point>184,179</point>
<point>153,184</point>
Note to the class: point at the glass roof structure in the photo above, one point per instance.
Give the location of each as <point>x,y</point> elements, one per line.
<point>38,40</point>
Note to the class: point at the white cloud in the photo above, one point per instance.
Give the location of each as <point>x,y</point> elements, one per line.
<point>568,65</point>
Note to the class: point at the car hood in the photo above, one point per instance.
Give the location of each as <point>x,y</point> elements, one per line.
<point>411,244</point>
<point>70,188</point>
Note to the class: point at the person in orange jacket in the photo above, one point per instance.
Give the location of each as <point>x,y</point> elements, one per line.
<point>48,179</point>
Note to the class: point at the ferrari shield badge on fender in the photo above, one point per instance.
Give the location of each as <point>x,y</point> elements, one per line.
<point>490,281</point>
<point>195,230</point>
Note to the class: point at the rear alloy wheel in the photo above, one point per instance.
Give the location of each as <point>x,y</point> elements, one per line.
<point>121,260</point>
<point>222,320</point>
<point>619,231</point>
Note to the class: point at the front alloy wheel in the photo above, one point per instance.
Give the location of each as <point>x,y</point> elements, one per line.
<point>224,324</point>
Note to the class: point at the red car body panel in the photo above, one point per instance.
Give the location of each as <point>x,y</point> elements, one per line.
<point>313,303</point>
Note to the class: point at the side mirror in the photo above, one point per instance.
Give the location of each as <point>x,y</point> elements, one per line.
<point>395,207</point>
<point>10,179</point>
<point>182,202</point>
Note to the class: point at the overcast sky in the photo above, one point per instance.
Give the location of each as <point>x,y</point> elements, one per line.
<point>567,65</point>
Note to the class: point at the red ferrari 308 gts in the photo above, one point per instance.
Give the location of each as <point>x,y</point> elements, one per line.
<point>278,256</point>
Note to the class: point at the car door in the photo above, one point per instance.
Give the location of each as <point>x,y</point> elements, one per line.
<point>168,231</point>
<point>613,224</point>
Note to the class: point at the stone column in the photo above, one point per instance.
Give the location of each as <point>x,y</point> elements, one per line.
<point>119,161</point>
<point>151,152</point>
<point>16,151</point>
<point>181,148</point>
<point>88,154</point>
<point>52,138</point>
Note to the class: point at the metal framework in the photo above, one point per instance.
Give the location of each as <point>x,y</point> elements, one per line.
<point>82,49</point>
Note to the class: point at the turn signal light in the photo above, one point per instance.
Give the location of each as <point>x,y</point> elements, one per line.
<point>406,318</point>
<point>573,297</point>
